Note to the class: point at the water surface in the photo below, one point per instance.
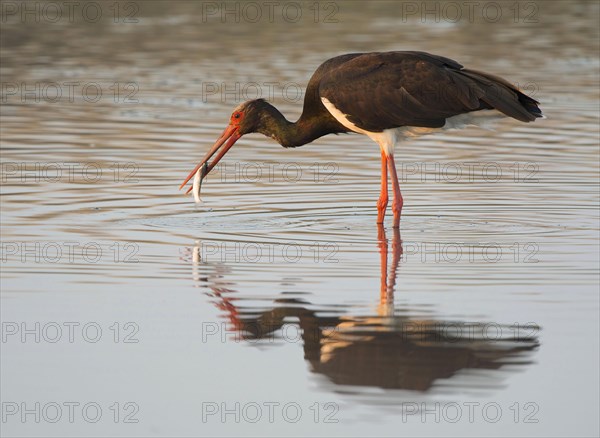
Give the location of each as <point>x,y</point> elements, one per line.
<point>277,306</point>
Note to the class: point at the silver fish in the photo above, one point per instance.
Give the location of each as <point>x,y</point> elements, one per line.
<point>200,174</point>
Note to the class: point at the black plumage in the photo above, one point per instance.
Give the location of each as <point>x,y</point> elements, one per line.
<point>379,91</point>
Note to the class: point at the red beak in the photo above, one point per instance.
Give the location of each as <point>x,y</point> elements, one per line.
<point>231,133</point>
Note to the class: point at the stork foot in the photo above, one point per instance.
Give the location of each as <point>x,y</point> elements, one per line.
<point>382,204</point>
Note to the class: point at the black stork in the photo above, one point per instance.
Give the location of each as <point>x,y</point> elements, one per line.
<point>387,96</point>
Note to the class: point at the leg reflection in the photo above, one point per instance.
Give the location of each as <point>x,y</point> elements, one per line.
<point>388,279</point>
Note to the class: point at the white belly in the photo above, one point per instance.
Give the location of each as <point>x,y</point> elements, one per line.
<point>388,138</point>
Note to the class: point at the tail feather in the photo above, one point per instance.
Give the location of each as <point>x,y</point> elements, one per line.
<point>498,93</point>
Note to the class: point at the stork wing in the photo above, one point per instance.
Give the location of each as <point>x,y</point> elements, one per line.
<point>378,91</point>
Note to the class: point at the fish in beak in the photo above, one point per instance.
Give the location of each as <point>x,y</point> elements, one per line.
<point>197,184</point>
<point>222,145</point>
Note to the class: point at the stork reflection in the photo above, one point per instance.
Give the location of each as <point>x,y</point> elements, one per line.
<point>387,348</point>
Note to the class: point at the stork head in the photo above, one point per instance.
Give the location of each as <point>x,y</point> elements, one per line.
<point>248,117</point>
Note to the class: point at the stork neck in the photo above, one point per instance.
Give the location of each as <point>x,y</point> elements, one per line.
<point>291,134</point>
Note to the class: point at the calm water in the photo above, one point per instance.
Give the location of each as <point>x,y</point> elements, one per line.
<point>277,306</point>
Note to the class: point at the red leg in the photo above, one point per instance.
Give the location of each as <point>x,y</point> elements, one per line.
<point>398,201</point>
<point>383,196</point>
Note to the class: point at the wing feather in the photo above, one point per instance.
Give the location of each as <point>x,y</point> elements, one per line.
<point>378,91</point>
